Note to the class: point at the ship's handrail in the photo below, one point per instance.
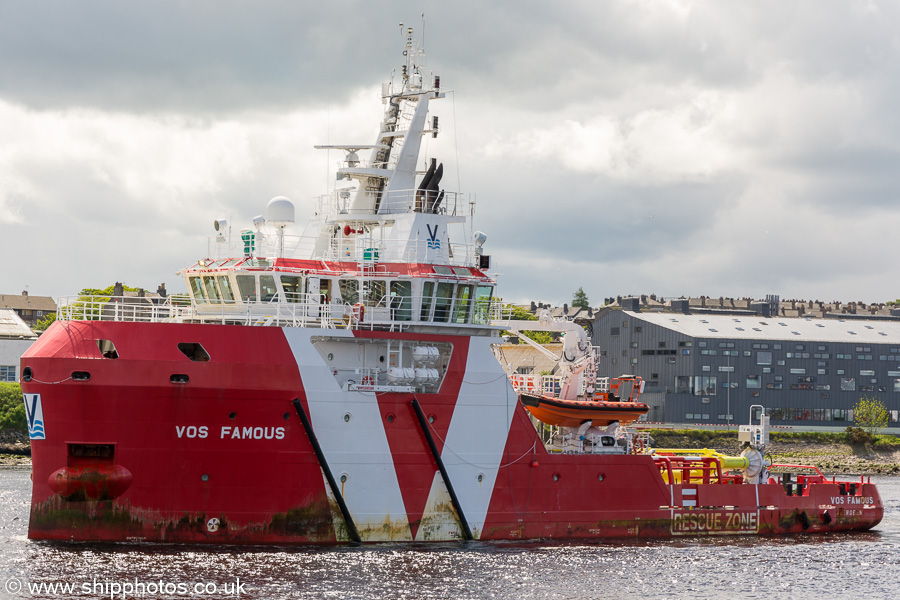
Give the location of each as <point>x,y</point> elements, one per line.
<point>266,246</point>
<point>392,250</point>
<point>261,245</point>
<point>396,202</point>
<point>300,310</point>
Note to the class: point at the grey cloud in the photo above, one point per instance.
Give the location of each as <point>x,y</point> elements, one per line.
<point>518,67</point>
<point>202,56</point>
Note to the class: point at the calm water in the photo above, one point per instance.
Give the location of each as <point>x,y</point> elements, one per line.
<point>865,565</point>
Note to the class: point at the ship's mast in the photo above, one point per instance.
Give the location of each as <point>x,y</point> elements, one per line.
<point>383,199</point>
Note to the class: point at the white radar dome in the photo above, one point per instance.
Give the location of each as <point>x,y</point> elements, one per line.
<point>280,211</point>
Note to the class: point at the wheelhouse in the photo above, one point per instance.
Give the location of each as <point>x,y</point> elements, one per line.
<point>408,293</point>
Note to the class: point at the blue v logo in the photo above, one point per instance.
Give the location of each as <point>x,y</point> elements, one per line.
<point>433,242</point>
<point>34,412</point>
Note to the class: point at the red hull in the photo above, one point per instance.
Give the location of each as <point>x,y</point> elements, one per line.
<point>192,479</point>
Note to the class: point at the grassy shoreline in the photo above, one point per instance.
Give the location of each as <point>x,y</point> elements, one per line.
<point>832,453</point>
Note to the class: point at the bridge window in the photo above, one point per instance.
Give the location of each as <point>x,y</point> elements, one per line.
<point>401,301</point>
<point>212,290</point>
<point>247,287</point>
<point>482,304</point>
<point>197,289</point>
<point>443,302</point>
<point>463,304</point>
<point>225,286</point>
<point>349,290</point>
<point>376,292</point>
<point>427,300</point>
<point>292,286</point>
<point>267,290</point>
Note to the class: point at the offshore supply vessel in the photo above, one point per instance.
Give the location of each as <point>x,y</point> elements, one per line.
<point>340,386</point>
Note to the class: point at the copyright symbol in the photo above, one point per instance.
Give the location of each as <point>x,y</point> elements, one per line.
<point>13,585</point>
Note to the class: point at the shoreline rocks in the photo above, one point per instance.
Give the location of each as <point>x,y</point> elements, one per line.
<point>14,446</point>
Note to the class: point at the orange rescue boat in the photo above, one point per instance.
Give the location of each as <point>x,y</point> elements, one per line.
<point>603,409</point>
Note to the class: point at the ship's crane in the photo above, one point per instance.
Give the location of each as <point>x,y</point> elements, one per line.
<point>577,357</point>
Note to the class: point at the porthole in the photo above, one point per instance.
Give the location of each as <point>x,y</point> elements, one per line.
<point>232,415</point>
<point>204,477</point>
<point>480,477</point>
<point>343,478</point>
<point>287,416</point>
<point>346,417</point>
<point>431,418</point>
<point>390,418</point>
<point>601,477</point>
<point>556,477</point>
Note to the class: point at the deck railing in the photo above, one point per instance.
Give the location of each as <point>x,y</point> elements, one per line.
<point>301,310</point>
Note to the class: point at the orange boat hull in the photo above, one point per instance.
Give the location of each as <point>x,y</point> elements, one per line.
<point>573,413</point>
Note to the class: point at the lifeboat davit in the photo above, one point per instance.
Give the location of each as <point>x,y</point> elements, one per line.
<point>573,413</point>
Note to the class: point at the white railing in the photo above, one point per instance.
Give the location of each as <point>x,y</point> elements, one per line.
<point>541,385</point>
<point>223,248</point>
<point>549,385</point>
<point>263,245</point>
<point>301,310</point>
<point>396,202</point>
<point>384,251</point>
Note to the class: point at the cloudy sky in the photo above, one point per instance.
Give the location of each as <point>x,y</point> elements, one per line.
<point>626,146</point>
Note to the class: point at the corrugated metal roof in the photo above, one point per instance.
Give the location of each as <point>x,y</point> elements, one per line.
<point>523,355</point>
<point>12,326</point>
<point>779,328</point>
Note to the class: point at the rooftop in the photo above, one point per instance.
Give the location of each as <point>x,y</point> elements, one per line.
<point>755,327</point>
<point>13,327</point>
<point>26,301</point>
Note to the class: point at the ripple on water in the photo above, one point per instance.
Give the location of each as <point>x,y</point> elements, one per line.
<point>745,567</point>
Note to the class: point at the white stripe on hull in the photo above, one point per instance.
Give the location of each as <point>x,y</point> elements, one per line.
<point>357,449</point>
<point>439,521</point>
<point>478,432</point>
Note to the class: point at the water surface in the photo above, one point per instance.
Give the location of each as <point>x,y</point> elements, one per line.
<point>866,565</point>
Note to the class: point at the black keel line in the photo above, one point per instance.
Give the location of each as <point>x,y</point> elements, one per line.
<point>423,423</point>
<point>335,490</point>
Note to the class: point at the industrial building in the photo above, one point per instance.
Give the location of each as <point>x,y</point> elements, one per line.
<point>710,367</point>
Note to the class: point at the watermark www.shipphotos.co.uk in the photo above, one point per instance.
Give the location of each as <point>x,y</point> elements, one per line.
<point>123,590</point>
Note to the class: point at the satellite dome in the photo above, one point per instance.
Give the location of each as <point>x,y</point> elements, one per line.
<point>280,211</point>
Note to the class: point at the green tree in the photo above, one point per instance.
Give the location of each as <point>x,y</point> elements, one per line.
<point>580,299</point>
<point>89,305</point>
<point>871,415</point>
<point>42,325</point>
<point>12,408</point>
